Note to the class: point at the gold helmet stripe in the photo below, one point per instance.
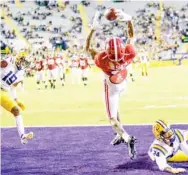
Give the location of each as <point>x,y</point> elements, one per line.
<point>179,135</point>
<point>160,122</point>
<point>160,148</point>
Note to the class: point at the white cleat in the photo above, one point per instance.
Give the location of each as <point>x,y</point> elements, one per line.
<point>117,140</point>
<point>26,137</point>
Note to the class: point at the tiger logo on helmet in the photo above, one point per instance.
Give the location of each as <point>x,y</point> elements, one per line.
<point>21,61</point>
<point>163,132</point>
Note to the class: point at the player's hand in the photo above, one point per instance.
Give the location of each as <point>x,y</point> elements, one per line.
<point>21,105</point>
<point>122,16</point>
<point>177,170</point>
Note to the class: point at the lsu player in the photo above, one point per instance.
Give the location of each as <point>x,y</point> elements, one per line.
<point>143,57</point>
<point>166,146</point>
<point>10,78</point>
<point>113,61</point>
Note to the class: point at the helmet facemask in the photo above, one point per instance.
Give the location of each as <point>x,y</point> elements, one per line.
<point>168,137</point>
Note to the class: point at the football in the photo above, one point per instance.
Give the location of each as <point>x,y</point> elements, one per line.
<point>110,14</point>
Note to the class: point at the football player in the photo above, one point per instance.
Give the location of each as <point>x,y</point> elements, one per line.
<point>39,66</point>
<point>166,145</point>
<point>52,70</point>
<point>10,78</point>
<point>143,56</point>
<point>113,61</point>
<point>84,64</point>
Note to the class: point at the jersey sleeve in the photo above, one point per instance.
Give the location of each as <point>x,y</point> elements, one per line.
<point>159,154</point>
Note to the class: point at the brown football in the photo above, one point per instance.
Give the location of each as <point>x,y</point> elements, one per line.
<point>110,14</point>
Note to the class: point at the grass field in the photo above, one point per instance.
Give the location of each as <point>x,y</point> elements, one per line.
<point>58,149</point>
<point>163,95</point>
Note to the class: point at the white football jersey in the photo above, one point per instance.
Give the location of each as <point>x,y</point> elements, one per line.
<point>160,152</point>
<point>143,57</point>
<point>10,75</point>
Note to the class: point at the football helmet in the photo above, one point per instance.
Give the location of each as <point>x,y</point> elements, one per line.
<point>115,49</point>
<point>163,132</point>
<point>21,61</point>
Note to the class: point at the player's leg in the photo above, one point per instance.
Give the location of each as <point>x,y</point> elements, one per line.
<point>179,157</point>
<point>112,104</point>
<point>85,75</point>
<point>142,68</point>
<point>38,80</point>
<point>11,106</point>
<point>50,78</point>
<point>112,97</point>
<point>54,77</point>
<point>43,79</point>
<point>146,69</point>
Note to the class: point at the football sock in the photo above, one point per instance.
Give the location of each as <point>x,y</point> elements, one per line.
<point>20,125</point>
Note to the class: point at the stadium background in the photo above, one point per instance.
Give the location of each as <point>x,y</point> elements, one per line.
<point>59,148</point>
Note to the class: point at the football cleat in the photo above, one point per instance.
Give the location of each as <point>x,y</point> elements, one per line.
<point>131,147</point>
<point>26,137</point>
<point>117,140</point>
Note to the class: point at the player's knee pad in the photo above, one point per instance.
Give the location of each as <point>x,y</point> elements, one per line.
<point>15,111</point>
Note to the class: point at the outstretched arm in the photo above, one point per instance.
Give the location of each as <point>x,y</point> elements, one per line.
<point>130,30</point>
<point>92,51</point>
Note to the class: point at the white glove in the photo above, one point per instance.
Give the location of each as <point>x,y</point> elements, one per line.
<point>95,24</point>
<point>122,16</point>
<point>177,170</point>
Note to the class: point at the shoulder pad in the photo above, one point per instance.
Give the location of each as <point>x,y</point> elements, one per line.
<point>160,148</point>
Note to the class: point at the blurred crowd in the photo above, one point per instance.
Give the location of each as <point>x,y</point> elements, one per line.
<point>173,25</point>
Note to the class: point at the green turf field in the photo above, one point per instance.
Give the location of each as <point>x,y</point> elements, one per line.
<point>163,95</point>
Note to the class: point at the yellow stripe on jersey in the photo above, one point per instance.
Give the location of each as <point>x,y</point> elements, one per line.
<point>179,135</point>
<point>160,148</point>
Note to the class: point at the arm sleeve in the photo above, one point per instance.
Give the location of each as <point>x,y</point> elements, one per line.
<point>159,158</point>
<point>162,163</point>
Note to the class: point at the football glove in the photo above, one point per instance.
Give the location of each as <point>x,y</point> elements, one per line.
<point>122,16</point>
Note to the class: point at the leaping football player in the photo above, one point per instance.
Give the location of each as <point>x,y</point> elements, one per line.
<point>166,146</point>
<point>10,78</point>
<point>113,61</point>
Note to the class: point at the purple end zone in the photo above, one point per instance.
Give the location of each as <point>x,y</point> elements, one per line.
<point>76,151</point>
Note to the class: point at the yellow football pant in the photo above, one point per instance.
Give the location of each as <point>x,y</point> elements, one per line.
<point>144,68</point>
<point>6,101</point>
<point>179,156</point>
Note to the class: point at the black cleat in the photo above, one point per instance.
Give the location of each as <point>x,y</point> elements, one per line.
<point>131,147</point>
